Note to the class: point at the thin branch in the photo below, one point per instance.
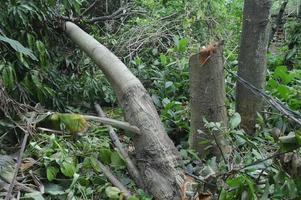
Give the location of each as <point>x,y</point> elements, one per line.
<point>113,122</point>
<point>219,147</point>
<point>12,184</point>
<point>108,173</point>
<point>50,130</point>
<point>199,179</point>
<point>118,13</point>
<point>130,165</point>
<point>88,9</point>
<point>262,160</point>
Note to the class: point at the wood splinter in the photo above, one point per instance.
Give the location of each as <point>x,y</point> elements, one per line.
<point>206,52</point>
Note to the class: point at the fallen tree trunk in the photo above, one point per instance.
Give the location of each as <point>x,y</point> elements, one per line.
<point>156,156</point>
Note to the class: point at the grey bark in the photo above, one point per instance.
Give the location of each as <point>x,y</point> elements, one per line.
<point>207,100</point>
<point>157,158</point>
<point>278,22</point>
<point>252,60</point>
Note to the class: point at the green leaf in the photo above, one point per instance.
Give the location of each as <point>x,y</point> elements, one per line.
<point>282,73</point>
<point>168,84</point>
<point>112,192</point>
<point>272,84</point>
<point>51,172</point>
<point>9,77</point>
<point>68,168</point>
<point>133,198</point>
<point>163,59</point>
<point>74,123</point>
<point>116,160</point>
<point>53,189</point>
<point>74,180</point>
<point>17,46</point>
<point>34,195</point>
<point>105,156</point>
<point>298,137</point>
<point>235,120</point>
<point>284,91</point>
<point>156,100</point>
<point>183,44</point>
<point>95,164</point>
<point>235,182</point>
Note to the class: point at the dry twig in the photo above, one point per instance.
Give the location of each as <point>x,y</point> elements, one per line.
<point>130,165</point>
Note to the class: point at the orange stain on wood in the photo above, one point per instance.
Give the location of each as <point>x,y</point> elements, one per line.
<point>206,52</point>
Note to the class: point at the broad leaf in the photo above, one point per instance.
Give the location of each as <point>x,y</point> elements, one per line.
<point>17,46</point>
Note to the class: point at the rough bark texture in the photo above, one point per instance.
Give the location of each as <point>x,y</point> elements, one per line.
<point>252,60</point>
<point>157,157</point>
<point>278,21</point>
<point>207,99</point>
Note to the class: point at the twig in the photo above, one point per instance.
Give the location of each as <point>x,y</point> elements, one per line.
<point>113,122</point>
<point>263,160</point>
<point>218,145</point>
<point>271,113</point>
<point>199,179</point>
<point>130,165</point>
<point>108,173</point>
<point>50,130</point>
<point>19,160</point>
<point>88,9</point>
<point>12,184</point>
<point>260,174</point>
<point>118,13</point>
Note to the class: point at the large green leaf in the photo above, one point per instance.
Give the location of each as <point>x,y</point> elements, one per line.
<point>17,46</point>
<point>235,120</point>
<point>68,168</point>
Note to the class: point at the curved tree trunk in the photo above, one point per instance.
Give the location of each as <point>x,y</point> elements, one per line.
<point>252,60</point>
<point>157,158</point>
<point>207,100</point>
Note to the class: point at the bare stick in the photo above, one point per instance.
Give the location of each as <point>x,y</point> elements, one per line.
<point>88,9</point>
<point>121,11</point>
<point>130,165</point>
<point>50,130</point>
<point>107,172</point>
<point>113,122</point>
<point>12,184</point>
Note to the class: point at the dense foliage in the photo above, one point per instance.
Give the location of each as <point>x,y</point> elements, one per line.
<point>39,65</point>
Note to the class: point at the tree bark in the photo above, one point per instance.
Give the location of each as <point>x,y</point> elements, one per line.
<point>252,60</point>
<point>156,156</point>
<point>278,21</point>
<point>207,100</point>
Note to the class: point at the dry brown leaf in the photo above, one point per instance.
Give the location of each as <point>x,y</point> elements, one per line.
<point>27,163</point>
